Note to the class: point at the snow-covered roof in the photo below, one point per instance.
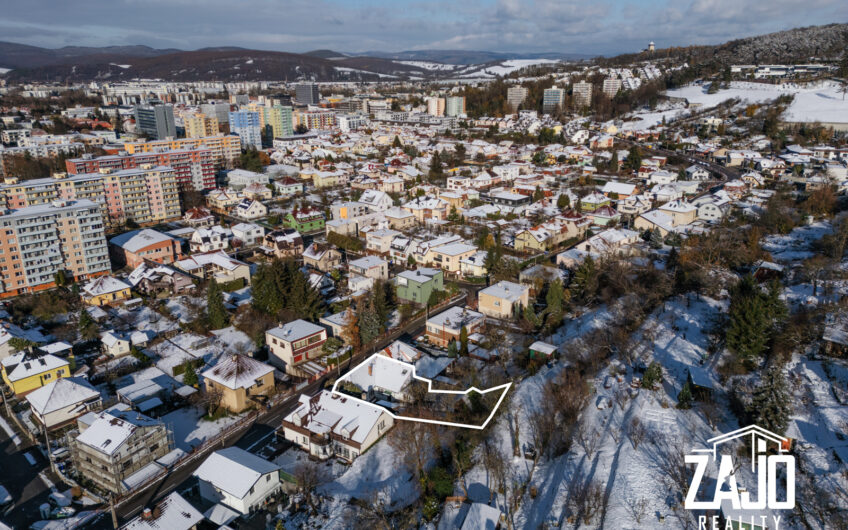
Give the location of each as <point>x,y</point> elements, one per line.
<point>506,290</point>
<point>454,249</point>
<point>381,372</point>
<point>61,393</point>
<point>328,412</point>
<point>139,239</point>
<point>419,275</point>
<point>112,427</point>
<point>660,219</point>
<point>295,330</point>
<point>174,513</point>
<point>234,470</point>
<point>219,258</point>
<point>104,285</point>
<point>402,351</point>
<point>237,371</point>
<point>621,188</point>
<point>24,365</point>
<point>455,317</point>
<point>368,262</point>
<point>543,347</point>
<point>481,517</point>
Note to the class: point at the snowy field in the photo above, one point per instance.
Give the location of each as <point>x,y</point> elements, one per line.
<point>428,65</point>
<point>507,67</point>
<point>819,102</point>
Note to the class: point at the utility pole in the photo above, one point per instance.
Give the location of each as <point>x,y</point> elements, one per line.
<point>112,509</point>
<point>49,452</point>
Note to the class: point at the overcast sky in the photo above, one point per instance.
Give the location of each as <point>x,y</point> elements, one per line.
<point>568,26</point>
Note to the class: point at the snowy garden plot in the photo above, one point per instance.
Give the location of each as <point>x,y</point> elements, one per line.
<point>797,244</point>
<point>627,485</point>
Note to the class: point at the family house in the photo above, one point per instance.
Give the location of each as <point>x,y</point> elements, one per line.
<point>239,382</point>
<point>238,479</point>
<point>330,425</point>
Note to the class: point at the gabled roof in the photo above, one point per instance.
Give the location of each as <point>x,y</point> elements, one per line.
<point>234,470</point>
<point>61,393</point>
<point>104,285</point>
<point>23,365</point>
<point>175,513</point>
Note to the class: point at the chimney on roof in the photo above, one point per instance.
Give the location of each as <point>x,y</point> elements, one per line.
<point>370,369</point>
<point>147,514</point>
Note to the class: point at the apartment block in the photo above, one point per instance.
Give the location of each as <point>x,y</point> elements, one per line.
<point>156,121</point>
<point>582,93</point>
<point>225,149</point>
<point>552,99</point>
<point>147,194</point>
<point>193,168</point>
<point>37,242</point>
<point>246,125</point>
<point>317,119</point>
<point>200,125</point>
<point>455,106</point>
<point>307,93</point>
<point>436,106</point>
<point>611,86</point>
<point>515,96</point>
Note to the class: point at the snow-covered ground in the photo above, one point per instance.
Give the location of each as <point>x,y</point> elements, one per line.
<point>507,67</point>
<point>190,429</point>
<point>428,65</point>
<point>817,102</point>
<point>797,244</point>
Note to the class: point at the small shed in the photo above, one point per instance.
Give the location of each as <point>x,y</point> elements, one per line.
<point>542,350</point>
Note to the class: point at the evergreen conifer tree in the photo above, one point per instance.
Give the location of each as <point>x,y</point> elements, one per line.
<point>770,408</point>
<point>218,317</point>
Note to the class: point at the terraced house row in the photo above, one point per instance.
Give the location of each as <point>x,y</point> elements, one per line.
<point>36,242</point>
<point>148,194</point>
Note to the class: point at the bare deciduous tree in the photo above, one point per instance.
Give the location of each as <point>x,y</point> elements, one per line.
<point>587,438</point>
<point>308,475</point>
<point>588,498</point>
<point>636,431</point>
<point>415,445</point>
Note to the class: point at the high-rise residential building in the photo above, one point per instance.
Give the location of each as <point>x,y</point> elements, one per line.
<point>245,124</point>
<point>611,86</point>
<point>274,121</point>
<point>455,106</point>
<point>436,106</point>
<point>147,194</point>
<point>582,94</point>
<point>219,111</point>
<point>307,93</point>
<point>552,99</point>
<point>37,242</point>
<point>225,149</point>
<point>200,125</point>
<point>156,121</point>
<point>193,168</point>
<point>515,96</point>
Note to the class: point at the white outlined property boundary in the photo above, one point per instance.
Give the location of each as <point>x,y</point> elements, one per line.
<point>430,389</point>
